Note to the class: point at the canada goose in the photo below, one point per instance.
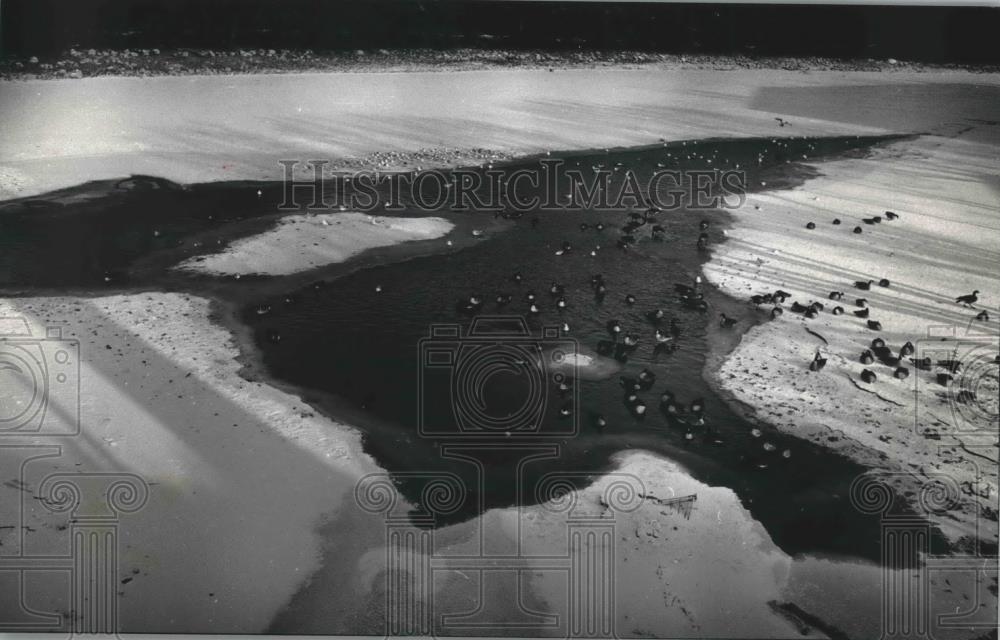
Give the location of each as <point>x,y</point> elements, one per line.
<point>646,378</point>
<point>983,316</point>
<point>836,295</point>
<point>907,349</point>
<point>867,357</point>
<point>874,325</point>
<point>944,379</point>
<point>726,322</point>
<point>777,311</point>
<point>901,373</point>
<point>838,310</point>
<point>655,316</point>
<point>861,302</point>
<point>697,405</point>
<point>862,313</point>
<point>878,343</point>
<point>557,289</point>
<point>629,299</point>
<point>561,303</point>
<point>836,221</point>
<point>810,225</point>
<point>863,285</point>
<point>614,327</point>
<point>662,337</point>
<point>857,230</point>
<point>924,364</point>
<point>817,363</point>
<point>884,282</point>
<point>968,300</point>
<point>889,215</point>
<point>868,376</point>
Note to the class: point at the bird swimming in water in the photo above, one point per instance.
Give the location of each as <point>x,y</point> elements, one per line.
<point>529,297</point>
<point>810,225</point>
<point>857,230</point>
<point>631,340</point>
<point>697,405</point>
<point>600,421</point>
<point>629,299</point>
<point>655,316</point>
<point>561,303</point>
<point>726,322</point>
<point>662,337</point>
<point>517,277</point>
<point>968,300</point>
<point>534,310</point>
<point>884,282</point>
<point>503,299</point>
<point>557,289</point>
<point>614,327</point>
<point>836,221</point>
<point>863,285</point>
<point>646,378</point>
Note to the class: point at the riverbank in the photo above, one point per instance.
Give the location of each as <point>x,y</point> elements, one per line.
<point>942,245</point>
<point>239,472</point>
<point>237,127</point>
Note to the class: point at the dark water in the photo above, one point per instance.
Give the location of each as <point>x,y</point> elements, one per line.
<point>362,355</point>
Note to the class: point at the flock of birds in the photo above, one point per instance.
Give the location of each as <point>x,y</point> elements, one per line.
<point>622,342</point>
<point>878,350</point>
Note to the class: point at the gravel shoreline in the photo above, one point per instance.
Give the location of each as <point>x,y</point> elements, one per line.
<point>76,63</point>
